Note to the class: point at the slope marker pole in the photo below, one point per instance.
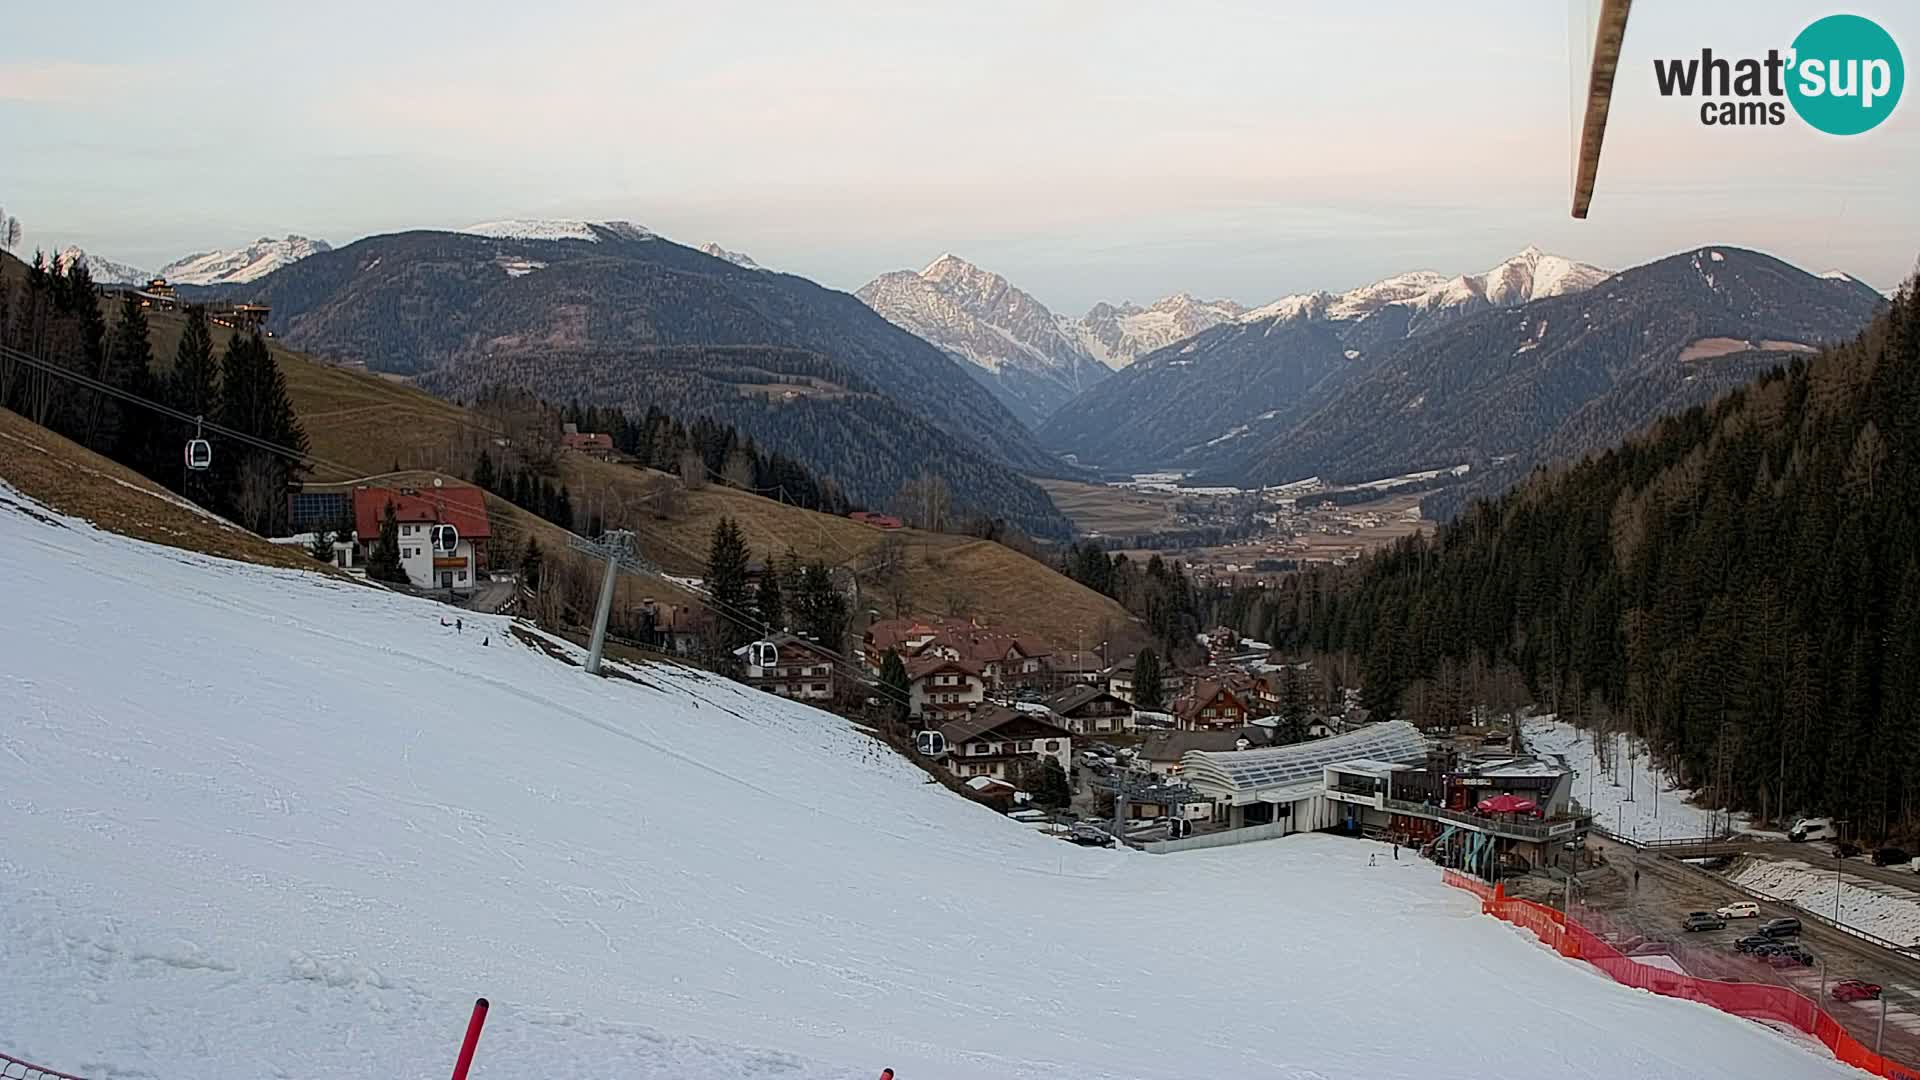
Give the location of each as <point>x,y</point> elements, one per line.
<point>465,1060</point>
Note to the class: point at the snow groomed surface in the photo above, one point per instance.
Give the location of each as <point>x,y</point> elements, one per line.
<point>257,822</point>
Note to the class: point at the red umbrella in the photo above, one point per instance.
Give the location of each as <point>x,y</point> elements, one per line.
<point>1507,804</point>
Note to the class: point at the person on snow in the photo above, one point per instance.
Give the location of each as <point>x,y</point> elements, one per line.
<point>886,1074</point>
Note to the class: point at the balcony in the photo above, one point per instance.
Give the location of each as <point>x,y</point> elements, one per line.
<point>1512,828</point>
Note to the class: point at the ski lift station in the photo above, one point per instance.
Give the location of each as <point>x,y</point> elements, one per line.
<point>1389,781</point>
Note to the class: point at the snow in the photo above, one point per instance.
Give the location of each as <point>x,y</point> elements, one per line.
<point>535,229</point>
<point>238,266</point>
<point>1607,796</point>
<point>104,271</point>
<point>738,258</point>
<point>1661,961</point>
<point>1876,907</point>
<point>295,826</point>
<point>1530,275</point>
<point>516,268</point>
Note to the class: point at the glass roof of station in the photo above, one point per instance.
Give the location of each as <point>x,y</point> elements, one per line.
<point>1244,772</point>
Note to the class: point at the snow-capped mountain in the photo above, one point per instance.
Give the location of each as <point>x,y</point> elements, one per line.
<point>1119,335</point>
<point>237,266</point>
<point>559,229</point>
<point>1031,358</point>
<point>737,258</point>
<point>1425,295</point>
<point>104,271</point>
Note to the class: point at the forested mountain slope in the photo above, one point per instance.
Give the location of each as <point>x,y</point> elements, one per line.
<point>434,301</point>
<point>1741,585</point>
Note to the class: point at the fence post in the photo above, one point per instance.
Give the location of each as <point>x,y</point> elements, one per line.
<point>473,1039</point>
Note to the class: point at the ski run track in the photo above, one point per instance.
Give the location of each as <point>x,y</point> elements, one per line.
<point>257,822</point>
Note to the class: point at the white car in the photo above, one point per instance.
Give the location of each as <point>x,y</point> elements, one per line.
<point>1744,909</point>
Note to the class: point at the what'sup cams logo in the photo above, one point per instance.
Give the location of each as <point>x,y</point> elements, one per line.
<point>1842,75</point>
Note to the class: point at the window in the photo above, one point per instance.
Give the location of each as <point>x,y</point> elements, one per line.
<point>1053,746</point>
<point>1026,746</point>
<point>976,748</point>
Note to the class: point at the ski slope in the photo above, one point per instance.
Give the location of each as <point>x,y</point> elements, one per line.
<point>255,822</point>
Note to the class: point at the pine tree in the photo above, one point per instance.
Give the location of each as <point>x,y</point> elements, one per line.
<point>483,477</point>
<point>383,562</point>
<point>193,387</point>
<point>139,443</point>
<point>531,564</point>
<point>769,602</point>
<point>1293,706</point>
<point>726,582</point>
<point>822,610</point>
<point>1046,782</point>
<point>1148,691</point>
<point>893,676</point>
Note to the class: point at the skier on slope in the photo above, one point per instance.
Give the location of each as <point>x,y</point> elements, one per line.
<point>886,1074</point>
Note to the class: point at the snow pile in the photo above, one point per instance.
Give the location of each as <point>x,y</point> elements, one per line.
<point>1876,907</point>
<point>296,825</point>
<point>1669,816</point>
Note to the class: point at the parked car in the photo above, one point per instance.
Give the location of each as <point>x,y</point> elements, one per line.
<point>1703,920</point>
<point>1846,850</point>
<point>1780,928</point>
<point>1789,956</point>
<point>1740,909</point>
<point>1809,829</point>
<point>1855,990</point>
<point>1891,856</point>
<point>1087,834</point>
<point>1753,943</point>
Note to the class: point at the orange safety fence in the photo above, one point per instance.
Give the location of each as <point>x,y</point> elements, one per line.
<point>1755,1001</point>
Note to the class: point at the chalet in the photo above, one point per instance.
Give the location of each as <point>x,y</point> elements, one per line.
<point>1120,680</point>
<point>595,444</point>
<point>1002,660</point>
<point>1078,669</point>
<point>795,667</point>
<point>1211,705</point>
<point>1089,710</point>
<point>993,741</point>
<point>418,511</point>
<point>878,521</point>
<point>938,687</point>
<point>675,629</point>
<point>1162,751</point>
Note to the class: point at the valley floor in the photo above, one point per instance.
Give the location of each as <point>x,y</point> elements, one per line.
<point>261,822</point>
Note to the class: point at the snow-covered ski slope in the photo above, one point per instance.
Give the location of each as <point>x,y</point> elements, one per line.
<point>255,822</point>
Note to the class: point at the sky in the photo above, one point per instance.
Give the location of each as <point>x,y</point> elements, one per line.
<point>1088,151</point>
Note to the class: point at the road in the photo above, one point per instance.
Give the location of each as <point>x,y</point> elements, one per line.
<point>1667,890</point>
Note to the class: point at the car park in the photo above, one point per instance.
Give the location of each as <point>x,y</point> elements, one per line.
<point>1855,990</point>
<point>1740,909</point>
<point>1703,920</point>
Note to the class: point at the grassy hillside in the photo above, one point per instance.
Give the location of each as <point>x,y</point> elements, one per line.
<point>362,425</point>
<point>74,480</point>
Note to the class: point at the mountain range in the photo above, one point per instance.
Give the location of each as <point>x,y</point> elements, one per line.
<point>613,314</point>
<point>1538,360</point>
<point>225,266</point>
<point>1195,403</point>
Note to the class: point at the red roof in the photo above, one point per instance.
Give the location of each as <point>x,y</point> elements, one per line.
<point>586,441</point>
<point>461,506</point>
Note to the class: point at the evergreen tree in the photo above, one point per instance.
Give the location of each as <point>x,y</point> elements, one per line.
<point>893,676</point>
<point>531,564</point>
<point>483,477</point>
<point>1046,782</point>
<point>822,610</point>
<point>769,602</point>
<point>253,482</point>
<point>383,562</point>
<point>1149,691</point>
<point>1293,706</point>
<point>726,582</point>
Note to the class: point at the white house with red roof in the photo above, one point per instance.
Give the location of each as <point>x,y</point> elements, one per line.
<point>417,511</point>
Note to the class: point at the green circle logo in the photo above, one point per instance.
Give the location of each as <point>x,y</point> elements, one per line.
<point>1846,75</point>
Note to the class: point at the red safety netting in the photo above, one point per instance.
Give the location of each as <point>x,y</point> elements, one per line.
<point>1755,1001</point>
